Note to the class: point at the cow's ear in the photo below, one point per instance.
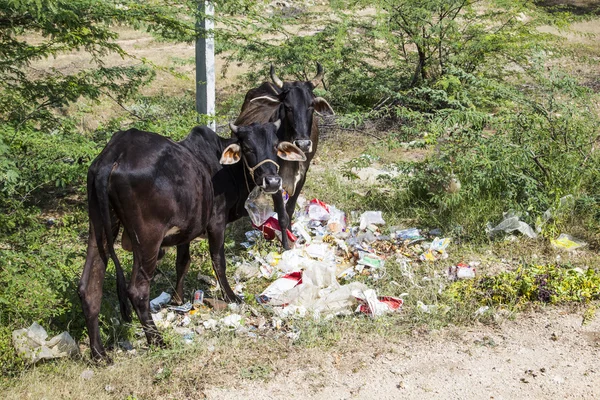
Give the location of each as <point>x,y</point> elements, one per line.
<point>322,107</point>
<point>231,155</point>
<point>290,152</point>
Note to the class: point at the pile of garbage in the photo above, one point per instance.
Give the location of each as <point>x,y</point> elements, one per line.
<point>32,346</point>
<point>325,274</point>
<point>318,277</point>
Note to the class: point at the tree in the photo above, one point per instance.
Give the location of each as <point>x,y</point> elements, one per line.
<point>34,30</point>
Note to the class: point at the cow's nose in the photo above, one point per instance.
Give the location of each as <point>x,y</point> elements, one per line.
<point>272,184</point>
<point>304,145</point>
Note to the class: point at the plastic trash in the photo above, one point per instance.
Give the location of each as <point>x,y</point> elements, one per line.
<point>412,235</point>
<point>376,306</point>
<point>273,293</point>
<point>246,271</point>
<point>63,345</point>
<point>232,321</point>
<point>159,302</point>
<point>337,220</point>
<point>300,231</point>
<point>31,344</point>
<point>210,324</point>
<point>259,206</point>
<point>509,224</point>
<point>370,260</point>
<point>437,249</point>
<point>182,308</point>
<point>197,298</point>
<point>320,251</point>
<point>567,242</point>
<point>271,230</point>
<point>316,210</point>
<point>371,217</point>
<point>292,260</point>
<point>461,271</point>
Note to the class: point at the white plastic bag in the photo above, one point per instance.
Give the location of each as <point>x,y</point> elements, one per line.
<point>371,217</point>
<point>259,207</point>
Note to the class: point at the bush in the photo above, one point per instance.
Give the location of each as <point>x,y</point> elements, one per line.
<point>534,150</point>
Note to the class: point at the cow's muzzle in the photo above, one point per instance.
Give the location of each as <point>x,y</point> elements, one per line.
<point>271,184</point>
<point>304,145</point>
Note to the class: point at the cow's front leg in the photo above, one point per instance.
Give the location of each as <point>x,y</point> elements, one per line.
<point>284,219</point>
<point>291,204</point>
<point>216,243</point>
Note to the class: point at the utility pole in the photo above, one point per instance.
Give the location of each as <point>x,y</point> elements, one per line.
<point>205,63</point>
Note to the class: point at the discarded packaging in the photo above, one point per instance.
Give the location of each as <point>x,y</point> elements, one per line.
<point>198,298</point>
<point>461,271</point>
<point>159,302</point>
<point>376,306</point>
<point>567,242</point>
<point>412,235</point>
<point>273,293</point>
<point>182,308</point>
<point>317,210</point>
<point>271,230</point>
<point>232,321</point>
<point>437,249</point>
<point>259,206</point>
<point>371,217</point>
<point>509,224</point>
<point>31,344</point>
<point>337,220</point>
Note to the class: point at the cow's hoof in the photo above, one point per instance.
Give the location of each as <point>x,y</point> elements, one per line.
<point>158,342</point>
<point>233,299</point>
<point>102,359</point>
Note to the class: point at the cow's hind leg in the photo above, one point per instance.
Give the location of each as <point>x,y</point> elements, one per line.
<point>183,265</point>
<point>144,263</point>
<point>90,293</point>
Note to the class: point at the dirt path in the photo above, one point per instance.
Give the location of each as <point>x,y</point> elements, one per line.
<point>545,355</point>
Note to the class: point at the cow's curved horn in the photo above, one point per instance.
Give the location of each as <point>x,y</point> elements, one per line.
<point>233,127</point>
<point>275,78</point>
<point>319,77</point>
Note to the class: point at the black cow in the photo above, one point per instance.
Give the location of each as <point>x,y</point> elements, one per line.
<point>167,193</point>
<point>294,104</point>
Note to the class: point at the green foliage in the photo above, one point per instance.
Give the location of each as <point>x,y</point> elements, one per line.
<point>552,284</point>
<point>533,151</point>
<point>377,53</point>
<point>31,32</point>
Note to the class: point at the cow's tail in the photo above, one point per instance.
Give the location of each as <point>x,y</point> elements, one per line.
<point>101,187</point>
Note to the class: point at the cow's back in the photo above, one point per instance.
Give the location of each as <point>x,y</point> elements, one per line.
<point>154,180</point>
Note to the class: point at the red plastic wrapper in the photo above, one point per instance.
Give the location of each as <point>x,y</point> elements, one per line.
<point>272,229</point>
<point>393,303</point>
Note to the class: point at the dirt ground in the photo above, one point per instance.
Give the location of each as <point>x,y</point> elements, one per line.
<point>543,355</point>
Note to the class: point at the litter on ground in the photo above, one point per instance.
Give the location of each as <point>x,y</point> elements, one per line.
<point>567,242</point>
<point>32,346</point>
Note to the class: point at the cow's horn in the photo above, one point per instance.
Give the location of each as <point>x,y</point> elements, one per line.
<point>319,77</point>
<point>275,78</point>
<point>233,127</point>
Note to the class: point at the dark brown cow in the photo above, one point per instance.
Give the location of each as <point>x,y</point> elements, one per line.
<point>167,193</point>
<point>294,104</point>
